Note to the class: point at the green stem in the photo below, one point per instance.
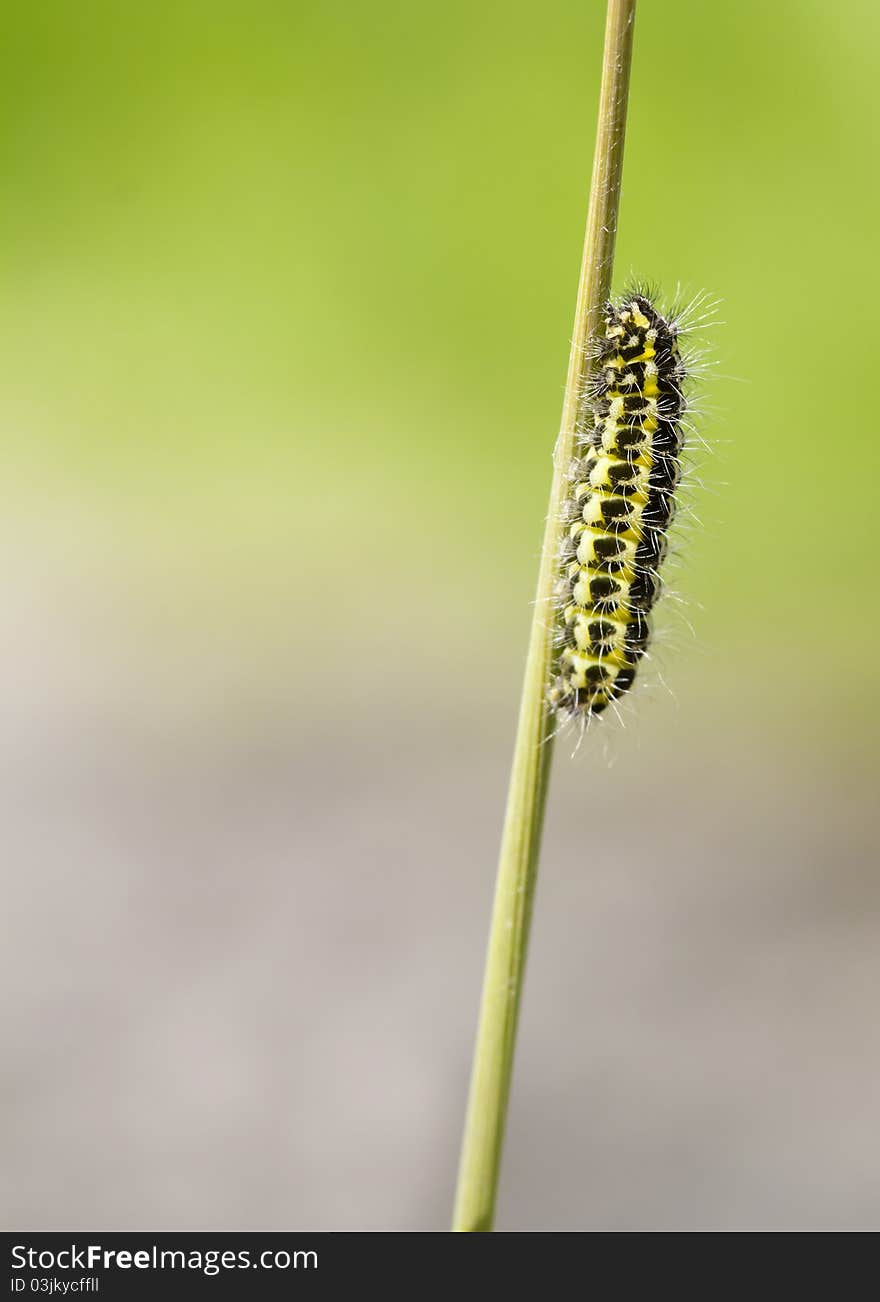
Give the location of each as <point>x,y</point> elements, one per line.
<point>521,838</point>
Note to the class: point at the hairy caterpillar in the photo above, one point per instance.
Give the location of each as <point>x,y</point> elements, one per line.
<point>619,508</point>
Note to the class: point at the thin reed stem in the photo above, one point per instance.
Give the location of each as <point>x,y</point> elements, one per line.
<point>521,838</point>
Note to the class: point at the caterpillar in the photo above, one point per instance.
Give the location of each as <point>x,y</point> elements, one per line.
<point>617,513</point>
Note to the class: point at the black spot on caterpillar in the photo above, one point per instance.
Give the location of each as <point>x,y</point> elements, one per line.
<point>619,508</point>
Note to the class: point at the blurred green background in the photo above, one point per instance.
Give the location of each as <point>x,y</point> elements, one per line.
<point>287,297</point>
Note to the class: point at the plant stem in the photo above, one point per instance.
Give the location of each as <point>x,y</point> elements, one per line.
<point>521,838</point>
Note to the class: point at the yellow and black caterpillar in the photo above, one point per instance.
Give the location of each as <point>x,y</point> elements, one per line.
<point>619,508</point>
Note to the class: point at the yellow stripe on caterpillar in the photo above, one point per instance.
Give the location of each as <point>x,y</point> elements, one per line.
<point>584,672</point>
<point>610,552</point>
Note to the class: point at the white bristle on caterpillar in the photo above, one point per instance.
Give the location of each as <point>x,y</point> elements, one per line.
<point>621,503</point>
